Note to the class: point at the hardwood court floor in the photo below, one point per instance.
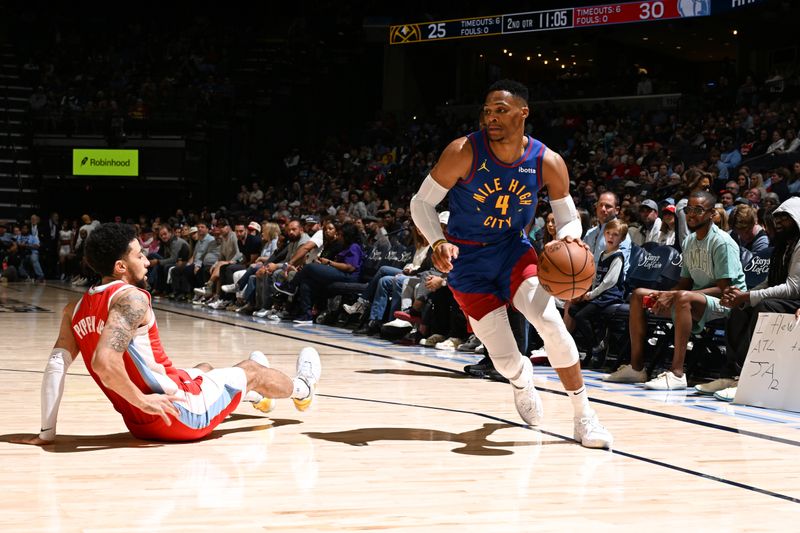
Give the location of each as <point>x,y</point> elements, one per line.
<point>397,439</point>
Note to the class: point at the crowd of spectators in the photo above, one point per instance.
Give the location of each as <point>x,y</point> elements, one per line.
<point>149,73</point>
<point>332,241</point>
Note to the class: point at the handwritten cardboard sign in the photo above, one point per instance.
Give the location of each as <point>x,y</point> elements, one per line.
<point>771,372</point>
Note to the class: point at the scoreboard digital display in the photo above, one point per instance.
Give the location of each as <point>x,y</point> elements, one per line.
<point>551,19</point>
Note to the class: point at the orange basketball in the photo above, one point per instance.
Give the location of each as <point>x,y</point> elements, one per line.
<point>566,270</point>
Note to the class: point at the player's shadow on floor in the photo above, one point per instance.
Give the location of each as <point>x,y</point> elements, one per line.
<point>475,442</point>
<point>415,373</point>
<point>91,443</point>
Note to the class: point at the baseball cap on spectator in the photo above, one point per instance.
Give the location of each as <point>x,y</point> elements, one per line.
<point>254,225</point>
<point>193,229</point>
<point>370,218</point>
<point>444,216</point>
<point>295,203</point>
<point>649,204</point>
<point>742,201</point>
<point>222,222</point>
<point>311,219</point>
<point>668,209</point>
<point>630,183</point>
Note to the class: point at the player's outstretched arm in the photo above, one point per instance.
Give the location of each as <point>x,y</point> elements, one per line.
<point>55,373</point>
<point>454,163</point>
<point>129,311</point>
<point>556,178</point>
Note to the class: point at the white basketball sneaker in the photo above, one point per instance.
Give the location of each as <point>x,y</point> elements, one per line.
<point>529,404</point>
<point>591,433</point>
<point>309,370</point>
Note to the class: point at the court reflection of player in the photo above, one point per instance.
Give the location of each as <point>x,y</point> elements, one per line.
<point>491,178</point>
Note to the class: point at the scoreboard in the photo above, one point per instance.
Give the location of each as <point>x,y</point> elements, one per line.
<point>551,19</point>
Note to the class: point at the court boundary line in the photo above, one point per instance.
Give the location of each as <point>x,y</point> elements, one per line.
<point>610,403</point>
<point>629,455</point>
<point>329,343</point>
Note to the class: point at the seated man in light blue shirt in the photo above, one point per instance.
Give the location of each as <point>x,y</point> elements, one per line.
<point>711,265</point>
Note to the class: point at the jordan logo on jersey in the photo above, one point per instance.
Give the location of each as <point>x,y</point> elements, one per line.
<point>502,202</point>
<point>483,166</point>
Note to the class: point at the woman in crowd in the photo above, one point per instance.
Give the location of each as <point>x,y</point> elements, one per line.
<point>385,289</point>
<point>667,234</point>
<point>720,218</point>
<point>314,278</point>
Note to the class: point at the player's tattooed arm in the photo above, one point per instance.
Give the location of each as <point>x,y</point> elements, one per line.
<point>128,312</point>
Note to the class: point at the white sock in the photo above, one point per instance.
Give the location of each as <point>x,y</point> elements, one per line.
<point>301,389</point>
<point>580,402</point>
<point>252,396</point>
<point>261,359</point>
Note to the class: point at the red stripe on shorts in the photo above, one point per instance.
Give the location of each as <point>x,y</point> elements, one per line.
<point>477,305</point>
<point>526,267</point>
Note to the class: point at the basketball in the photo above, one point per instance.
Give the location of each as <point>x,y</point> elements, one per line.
<point>566,270</point>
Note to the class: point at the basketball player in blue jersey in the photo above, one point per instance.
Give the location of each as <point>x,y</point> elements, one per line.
<point>492,178</point>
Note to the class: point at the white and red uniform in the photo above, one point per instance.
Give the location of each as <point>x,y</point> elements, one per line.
<point>208,397</point>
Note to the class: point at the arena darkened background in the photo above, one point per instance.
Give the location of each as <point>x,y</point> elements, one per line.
<point>217,95</point>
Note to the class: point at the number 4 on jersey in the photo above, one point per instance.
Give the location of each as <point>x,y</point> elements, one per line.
<point>502,203</point>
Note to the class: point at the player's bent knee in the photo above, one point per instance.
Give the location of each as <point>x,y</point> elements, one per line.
<point>494,331</point>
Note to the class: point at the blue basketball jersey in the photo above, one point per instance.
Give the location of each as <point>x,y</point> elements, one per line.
<point>497,199</point>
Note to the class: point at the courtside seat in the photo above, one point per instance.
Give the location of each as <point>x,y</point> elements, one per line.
<point>656,267</point>
<point>376,257</point>
<point>756,267</point>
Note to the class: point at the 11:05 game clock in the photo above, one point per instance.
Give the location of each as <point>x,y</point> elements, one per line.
<point>553,19</point>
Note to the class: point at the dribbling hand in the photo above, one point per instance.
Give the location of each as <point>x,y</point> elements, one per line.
<point>569,239</point>
<point>443,257</point>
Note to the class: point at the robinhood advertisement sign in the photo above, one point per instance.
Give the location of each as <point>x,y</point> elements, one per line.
<point>96,162</point>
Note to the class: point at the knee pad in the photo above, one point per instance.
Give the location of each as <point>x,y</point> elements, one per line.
<point>494,331</point>
<point>540,309</point>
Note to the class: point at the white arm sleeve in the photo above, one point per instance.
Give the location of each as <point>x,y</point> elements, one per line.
<point>423,209</point>
<point>52,389</point>
<point>568,223</point>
